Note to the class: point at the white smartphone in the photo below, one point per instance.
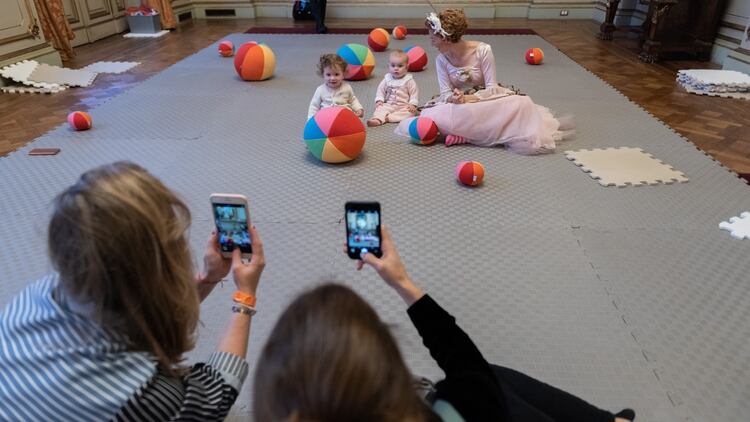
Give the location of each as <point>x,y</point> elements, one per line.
<point>232,219</point>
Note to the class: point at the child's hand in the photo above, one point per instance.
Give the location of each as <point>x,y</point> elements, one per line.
<point>412,108</point>
<point>378,103</point>
<point>360,112</point>
<point>457,97</point>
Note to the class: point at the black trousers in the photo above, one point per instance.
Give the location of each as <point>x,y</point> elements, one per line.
<point>531,400</point>
<point>318,8</point>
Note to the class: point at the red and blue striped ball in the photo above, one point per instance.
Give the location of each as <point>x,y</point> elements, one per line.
<point>423,131</point>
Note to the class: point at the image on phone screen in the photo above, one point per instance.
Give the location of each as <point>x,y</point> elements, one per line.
<point>231,224</point>
<point>363,231</point>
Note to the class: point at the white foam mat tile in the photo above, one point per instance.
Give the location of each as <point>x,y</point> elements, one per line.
<point>62,76</point>
<point>21,71</point>
<point>624,166</point>
<point>739,227</point>
<point>22,89</point>
<point>110,67</point>
<point>146,35</point>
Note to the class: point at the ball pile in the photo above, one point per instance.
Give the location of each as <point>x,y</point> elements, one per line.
<point>470,173</point>
<point>423,131</point>
<point>534,56</point>
<point>399,32</point>
<point>359,61</point>
<point>226,48</point>
<point>254,62</point>
<point>79,120</point>
<point>417,58</point>
<point>334,135</point>
<point>378,39</point>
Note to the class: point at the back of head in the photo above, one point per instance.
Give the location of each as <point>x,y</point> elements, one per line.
<point>330,358</point>
<point>453,22</point>
<point>117,237</point>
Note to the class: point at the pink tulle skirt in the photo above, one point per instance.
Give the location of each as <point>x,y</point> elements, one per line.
<point>513,121</point>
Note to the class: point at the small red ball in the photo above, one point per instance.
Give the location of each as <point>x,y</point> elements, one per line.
<point>226,48</point>
<point>79,120</point>
<point>534,56</point>
<point>470,173</point>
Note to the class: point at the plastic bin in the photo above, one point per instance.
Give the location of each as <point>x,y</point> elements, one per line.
<point>144,24</point>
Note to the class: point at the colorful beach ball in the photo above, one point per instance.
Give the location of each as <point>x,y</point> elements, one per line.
<point>226,48</point>
<point>423,130</point>
<point>79,120</point>
<point>417,58</point>
<point>378,39</point>
<point>335,135</point>
<point>359,61</point>
<point>470,173</point>
<point>399,32</point>
<point>534,56</point>
<point>254,62</point>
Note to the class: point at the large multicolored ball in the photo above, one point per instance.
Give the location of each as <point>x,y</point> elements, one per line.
<point>80,120</point>
<point>423,130</point>
<point>226,48</point>
<point>359,61</point>
<point>534,56</point>
<point>335,135</point>
<point>417,58</point>
<point>399,32</point>
<point>254,62</point>
<point>378,39</point>
<point>470,173</point>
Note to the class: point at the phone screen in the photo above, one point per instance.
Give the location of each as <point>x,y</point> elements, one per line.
<point>363,229</point>
<point>231,224</point>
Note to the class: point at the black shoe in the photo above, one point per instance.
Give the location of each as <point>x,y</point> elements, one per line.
<point>321,30</point>
<point>628,414</point>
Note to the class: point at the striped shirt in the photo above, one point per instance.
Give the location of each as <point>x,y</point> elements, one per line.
<point>56,364</point>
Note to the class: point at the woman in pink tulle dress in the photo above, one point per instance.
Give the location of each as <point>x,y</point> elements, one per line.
<point>472,107</point>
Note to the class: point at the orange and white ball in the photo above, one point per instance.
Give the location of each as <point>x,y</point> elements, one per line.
<point>470,173</point>
<point>79,120</point>
<point>534,56</point>
<point>378,39</point>
<point>254,62</point>
<point>399,32</point>
<point>226,48</point>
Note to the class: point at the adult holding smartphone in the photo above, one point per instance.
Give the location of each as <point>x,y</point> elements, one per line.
<point>104,336</point>
<point>330,357</point>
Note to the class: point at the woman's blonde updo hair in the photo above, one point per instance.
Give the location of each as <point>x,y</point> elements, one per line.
<point>453,22</point>
<point>118,239</point>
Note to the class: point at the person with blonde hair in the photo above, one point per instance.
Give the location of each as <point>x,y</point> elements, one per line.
<point>472,107</point>
<point>330,358</point>
<point>104,337</point>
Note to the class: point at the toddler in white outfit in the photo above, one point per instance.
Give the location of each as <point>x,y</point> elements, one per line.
<point>334,92</point>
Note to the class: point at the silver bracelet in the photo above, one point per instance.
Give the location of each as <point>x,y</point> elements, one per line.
<point>242,309</point>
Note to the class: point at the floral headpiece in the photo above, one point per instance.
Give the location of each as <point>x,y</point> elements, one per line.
<point>435,26</point>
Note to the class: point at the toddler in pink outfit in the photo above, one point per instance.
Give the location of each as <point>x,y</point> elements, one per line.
<point>398,95</point>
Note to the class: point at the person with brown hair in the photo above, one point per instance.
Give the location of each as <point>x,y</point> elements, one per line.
<point>334,91</point>
<point>472,107</point>
<point>330,358</point>
<point>104,336</point>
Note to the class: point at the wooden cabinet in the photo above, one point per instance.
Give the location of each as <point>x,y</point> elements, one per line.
<point>20,33</point>
<point>94,19</point>
<point>673,28</point>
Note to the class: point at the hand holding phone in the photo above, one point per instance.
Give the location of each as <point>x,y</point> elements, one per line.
<point>230,212</point>
<point>362,229</point>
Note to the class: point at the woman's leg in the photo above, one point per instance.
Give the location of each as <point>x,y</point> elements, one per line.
<point>557,404</point>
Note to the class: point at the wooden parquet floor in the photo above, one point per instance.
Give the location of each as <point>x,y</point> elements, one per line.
<point>718,126</point>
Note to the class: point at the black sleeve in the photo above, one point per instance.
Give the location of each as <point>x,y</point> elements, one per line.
<point>470,385</point>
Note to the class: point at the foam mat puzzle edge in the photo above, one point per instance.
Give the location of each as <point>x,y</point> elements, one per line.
<point>636,167</point>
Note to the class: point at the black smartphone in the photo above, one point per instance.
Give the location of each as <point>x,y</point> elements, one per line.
<point>362,229</point>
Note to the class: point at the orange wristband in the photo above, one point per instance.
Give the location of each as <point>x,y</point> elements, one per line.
<point>244,299</point>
